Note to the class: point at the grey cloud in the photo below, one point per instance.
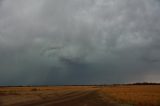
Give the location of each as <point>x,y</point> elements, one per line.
<point>79,41</point>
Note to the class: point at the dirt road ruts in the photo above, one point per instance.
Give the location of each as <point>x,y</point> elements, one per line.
<point>75,98</point>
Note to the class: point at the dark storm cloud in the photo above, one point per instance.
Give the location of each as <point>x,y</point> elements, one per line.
<point>79,41</point>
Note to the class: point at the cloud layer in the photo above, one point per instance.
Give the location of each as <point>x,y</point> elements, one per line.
<point>79,41</point>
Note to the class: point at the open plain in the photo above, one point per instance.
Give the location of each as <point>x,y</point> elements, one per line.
<point>119,95</point>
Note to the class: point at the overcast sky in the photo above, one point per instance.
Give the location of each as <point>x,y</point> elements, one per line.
<point>79,41</point>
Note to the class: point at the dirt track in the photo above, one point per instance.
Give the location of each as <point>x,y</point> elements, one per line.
<point>75,98</point>
<point>121,95</point>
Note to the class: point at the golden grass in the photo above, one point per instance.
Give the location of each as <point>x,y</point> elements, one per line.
<point>54,88</point>
<point>11,95</point>
<point>135,95</point>
<point>139,95</point>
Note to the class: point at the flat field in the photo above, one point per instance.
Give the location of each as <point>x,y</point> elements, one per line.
<point>119,95</point>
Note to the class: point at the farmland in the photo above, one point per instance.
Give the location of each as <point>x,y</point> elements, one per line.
<point>119,95</point>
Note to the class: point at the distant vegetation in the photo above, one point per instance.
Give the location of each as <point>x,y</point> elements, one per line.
<point>146,83</point>
<point>137,83</point>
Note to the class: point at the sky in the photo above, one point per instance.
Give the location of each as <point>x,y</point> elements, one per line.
<point>60,42</point>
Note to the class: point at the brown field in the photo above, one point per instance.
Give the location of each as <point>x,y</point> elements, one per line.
<point>139,95</point>
<point>122,95</point>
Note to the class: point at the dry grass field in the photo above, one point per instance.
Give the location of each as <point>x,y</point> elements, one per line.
<point>131,95</point>
<point>139,95</point>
